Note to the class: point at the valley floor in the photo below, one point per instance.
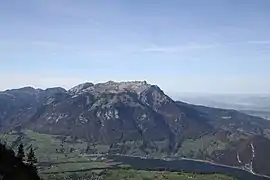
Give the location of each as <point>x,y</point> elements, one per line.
<point>131,174</point>
<point>58,159</point>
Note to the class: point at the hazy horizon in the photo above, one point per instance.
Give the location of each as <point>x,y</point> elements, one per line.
<point>182,46</point>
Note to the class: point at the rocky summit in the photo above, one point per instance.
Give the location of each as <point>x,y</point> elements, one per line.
<point>140,119</point>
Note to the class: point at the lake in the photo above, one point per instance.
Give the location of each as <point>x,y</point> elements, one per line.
<point>185,165</point>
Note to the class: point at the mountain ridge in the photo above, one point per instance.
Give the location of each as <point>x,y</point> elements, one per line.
<point>133,118</point>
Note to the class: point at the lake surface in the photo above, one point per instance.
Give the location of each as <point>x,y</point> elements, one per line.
<point>186,166</point>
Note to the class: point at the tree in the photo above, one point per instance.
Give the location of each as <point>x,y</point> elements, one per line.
<point>20,153</point>
<point>31,158</point>
<point>12,168</point>
<point>87,149</point>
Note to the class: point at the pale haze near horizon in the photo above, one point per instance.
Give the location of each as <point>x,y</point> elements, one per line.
<point>183,46</point>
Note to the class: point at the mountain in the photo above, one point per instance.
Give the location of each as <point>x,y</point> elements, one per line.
<point>140,119</point>
<point>106,112</point>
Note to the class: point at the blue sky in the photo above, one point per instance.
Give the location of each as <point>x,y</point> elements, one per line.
<point>213,46</point>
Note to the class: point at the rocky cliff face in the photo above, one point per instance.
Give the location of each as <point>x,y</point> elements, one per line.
<point>131,117</point>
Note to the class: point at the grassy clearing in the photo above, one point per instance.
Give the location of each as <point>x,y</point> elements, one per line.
<point>50,148</point>
<point>79,166</point>
<point>198,148</point>
<point>130,174</point>
<point>153,175</point>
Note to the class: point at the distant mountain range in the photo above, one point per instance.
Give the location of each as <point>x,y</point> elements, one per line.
<point>138,118</point>
<point>253,104</point>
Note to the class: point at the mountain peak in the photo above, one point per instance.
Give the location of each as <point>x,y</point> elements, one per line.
<point>27,89</point>
<point>55,90</point>
<point>136,86</point>
<point>79,88</point>
<point>111,87</point>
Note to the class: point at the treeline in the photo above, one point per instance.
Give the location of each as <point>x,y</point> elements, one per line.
<point>17,166</point>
